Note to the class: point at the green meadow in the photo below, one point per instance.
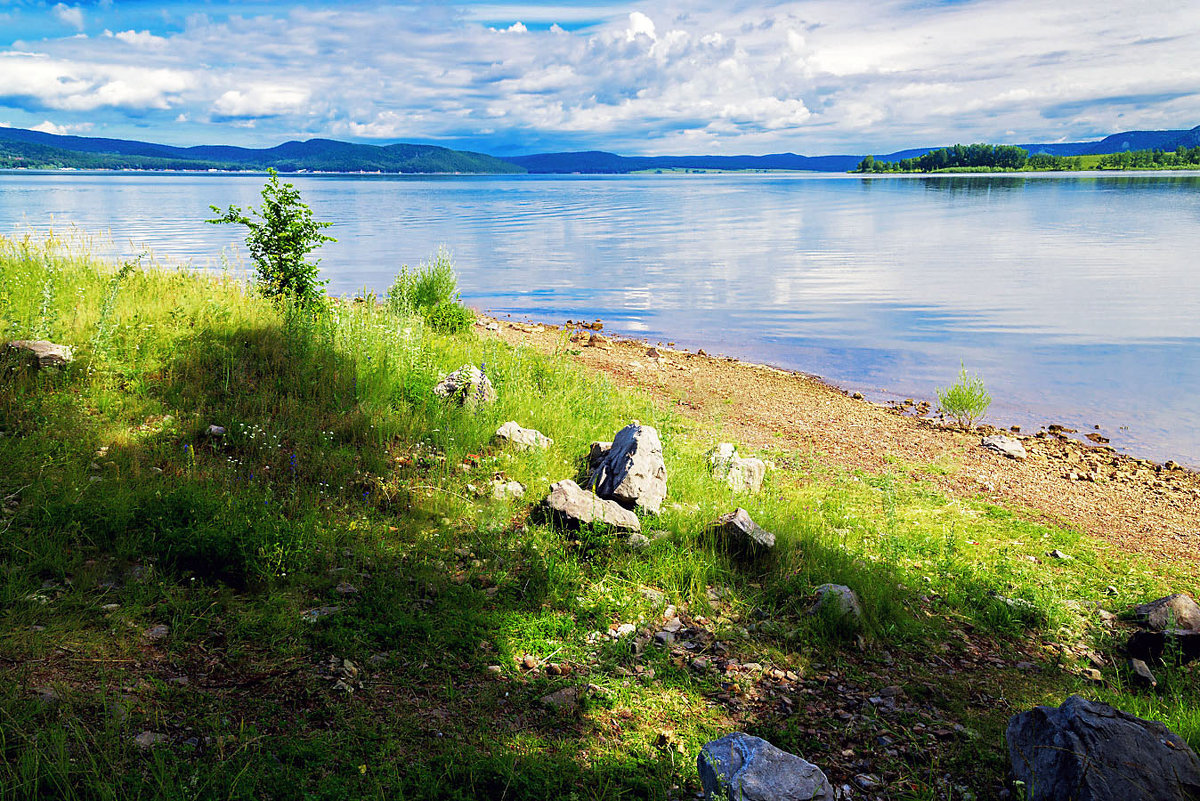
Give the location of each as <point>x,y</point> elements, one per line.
<point>327,602</point>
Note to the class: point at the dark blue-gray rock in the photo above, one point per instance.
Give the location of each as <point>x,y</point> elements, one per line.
<point>739,767</point>
<point>1176,611</point>
<point>741,534</point>
<point>632,472</point>
<point>742,475</point>
<point>39,352</point>
<point>1088,751</point>
<point>466,385</point>
<point>1008,446</point>
<point>571,506</point>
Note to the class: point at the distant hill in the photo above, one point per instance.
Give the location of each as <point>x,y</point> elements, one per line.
<point>595,161</point>
<point>35,148</point>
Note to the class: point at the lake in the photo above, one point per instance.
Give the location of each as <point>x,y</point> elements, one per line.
<point>1075,296</point>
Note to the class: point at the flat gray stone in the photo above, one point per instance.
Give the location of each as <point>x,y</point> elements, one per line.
<point>1087,751</point>
<point>523,439</point>
<point>42,352</point>
<point>570,505</point>
<point>739,767</point>
<point>633,472</point>
<point>1007,446</point>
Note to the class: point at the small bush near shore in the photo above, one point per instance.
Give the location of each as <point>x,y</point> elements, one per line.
<point>967,400</point>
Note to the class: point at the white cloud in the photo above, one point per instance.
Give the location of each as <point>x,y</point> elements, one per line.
<point>262,101</point>
<point>68,15</point>
<point>41,81</point>
<point>141,39</point>
<point>46,126</point>
<point>639,25</point>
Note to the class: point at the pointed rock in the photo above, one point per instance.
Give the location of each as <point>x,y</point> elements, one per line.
<point>632,472</point>
<point>741,534</point>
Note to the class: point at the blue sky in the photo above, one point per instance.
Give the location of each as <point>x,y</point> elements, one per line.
<point>705,76</point>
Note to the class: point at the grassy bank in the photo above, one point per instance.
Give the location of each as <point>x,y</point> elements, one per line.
<point>326,602</point>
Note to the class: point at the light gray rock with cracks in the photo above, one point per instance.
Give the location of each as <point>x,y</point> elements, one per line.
<point>466,385</point>
<point>1176,611</point>
<point>570,505</point>
<point>742,475</point>
<point>632,472</point>
<point>1087,751</point>
<point>739,767</point>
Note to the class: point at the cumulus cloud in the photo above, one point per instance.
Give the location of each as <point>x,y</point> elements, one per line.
<point>46,126</point>
<point>36,81</point>
<point>261,101</point>
<point>68,15</point>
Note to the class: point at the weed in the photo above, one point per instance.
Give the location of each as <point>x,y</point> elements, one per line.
<point>967,400</point>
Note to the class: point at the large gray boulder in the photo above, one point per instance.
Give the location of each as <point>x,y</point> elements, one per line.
<point>40,352</point>
<point>466,385</point>
<point>742,475</point>
<point>739,767</point>
<point>571,506</point>
<point>1176,611</point>
<point>741,535</point>
<point>523,439</point>
<point>1087,751</point>
<point>632,471</point>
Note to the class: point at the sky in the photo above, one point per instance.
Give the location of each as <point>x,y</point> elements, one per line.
<point>663,77</point>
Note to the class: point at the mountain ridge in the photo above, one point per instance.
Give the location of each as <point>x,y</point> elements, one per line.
<point>23,147</point>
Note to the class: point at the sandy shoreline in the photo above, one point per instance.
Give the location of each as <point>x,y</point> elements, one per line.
<point>1136,504</point>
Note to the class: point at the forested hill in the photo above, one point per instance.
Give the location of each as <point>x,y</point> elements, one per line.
<point>23,148</point>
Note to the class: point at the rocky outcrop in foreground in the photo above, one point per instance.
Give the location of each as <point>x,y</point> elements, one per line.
<point>1087,751</point>
<point>739,767</point>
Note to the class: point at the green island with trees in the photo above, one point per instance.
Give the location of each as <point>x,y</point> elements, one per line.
<point>981,157</point>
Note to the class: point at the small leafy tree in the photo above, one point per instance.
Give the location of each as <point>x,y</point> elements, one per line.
<point>281,235</point>
<point>967,400</point>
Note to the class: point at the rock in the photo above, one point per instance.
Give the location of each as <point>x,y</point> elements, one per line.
<point>1008,446</point>
<point>157,633</point>
<point>1057,554</point>
<point>840,598</point>
<point>149,739</point>
<point>741,534</point>
<point>742,475</point>
<point>739,767</point>
<point>345,588</point>
<point>596,453</point>
<point>1141,673</point>
<point>1176,611</point>
<point>313,615</point>
<point>571,506</point>
<point>599,341</point>
<point>1181,645</point>
<point>568,699</point>
<point>637,541</point>
<point>216,431</point>
<point>1088,751</point>
<point>507,489</point>
<point>466,385</point>
<point>632,472</point>
<point>40,352</point>
<point>523,439</point>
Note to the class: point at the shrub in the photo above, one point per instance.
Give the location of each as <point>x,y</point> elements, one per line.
<point>967,400</point>
<point>431,291</point>
<point>281,234</point>
<point>450,318</point>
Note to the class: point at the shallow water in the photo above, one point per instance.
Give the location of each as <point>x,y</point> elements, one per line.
<point>1076,297</point>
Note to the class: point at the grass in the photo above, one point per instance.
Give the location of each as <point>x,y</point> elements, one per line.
<point>341,481</point>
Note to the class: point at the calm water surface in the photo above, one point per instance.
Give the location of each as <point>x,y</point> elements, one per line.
<point>1076,297</point>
